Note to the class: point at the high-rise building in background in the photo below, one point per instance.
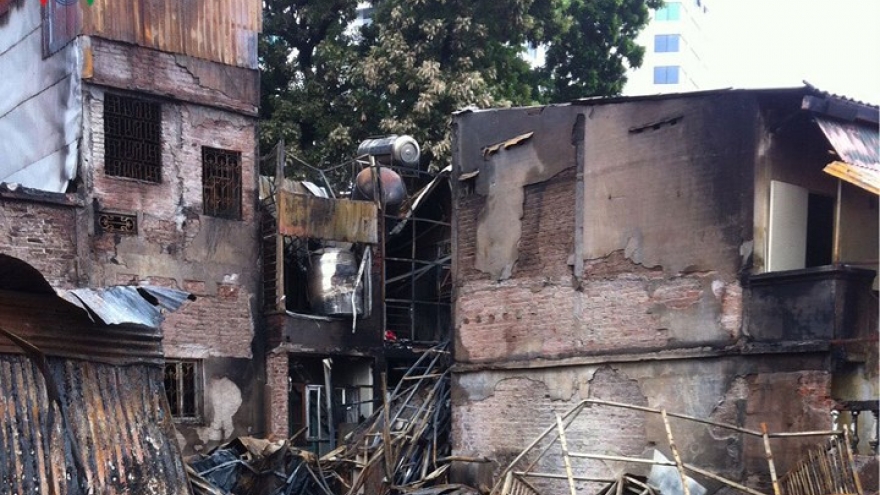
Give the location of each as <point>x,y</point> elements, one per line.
<point>677,48</point>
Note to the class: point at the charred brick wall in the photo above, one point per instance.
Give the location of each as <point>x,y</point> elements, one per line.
<point>498,413</point>
<point>176,244</point>
<point>43,234</point>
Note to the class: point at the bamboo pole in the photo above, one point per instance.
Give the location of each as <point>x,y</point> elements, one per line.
<point>852,464</point>
<point>771,465</point>
<point>565,458</point>
<point>684,484</point>
<point>571,413</point>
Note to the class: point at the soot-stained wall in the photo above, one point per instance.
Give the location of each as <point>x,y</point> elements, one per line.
<point>601,252</point>
<point>664,227</point>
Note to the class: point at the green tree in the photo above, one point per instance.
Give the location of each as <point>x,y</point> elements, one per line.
<point>305,60</point>
<point>590,56</point>
<point>421,60</point>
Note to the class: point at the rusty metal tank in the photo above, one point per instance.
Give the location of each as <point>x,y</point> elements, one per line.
<point>393,188</point>
<point>331,283</point>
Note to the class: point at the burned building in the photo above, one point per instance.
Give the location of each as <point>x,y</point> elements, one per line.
<point>354,290</point>
<point>129,159</point>
<point>709,253</point>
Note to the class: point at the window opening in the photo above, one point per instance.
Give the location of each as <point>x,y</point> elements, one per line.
<point>666,43</point>
<point>666,74</point>
<point>669,12</point>
<point>132,138</point>
<point>183,389</point>
<point>221,183</point>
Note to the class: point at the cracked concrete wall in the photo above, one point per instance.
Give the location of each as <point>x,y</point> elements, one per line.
<point>178,246</point>
<point>498,413</point>
<point>136,68</point>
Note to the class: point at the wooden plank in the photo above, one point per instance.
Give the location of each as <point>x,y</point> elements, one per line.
<point>302,215</point>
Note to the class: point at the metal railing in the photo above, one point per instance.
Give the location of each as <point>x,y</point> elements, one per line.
<point>833,461</point>
<point>855,409</point>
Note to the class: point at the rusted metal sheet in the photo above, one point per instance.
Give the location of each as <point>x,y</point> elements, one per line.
<point>858,147</point>
<point>856,144</point>
<point>108,432</point>
<point>61,23</point>
<point>302,215</point>
<point>219,30</point>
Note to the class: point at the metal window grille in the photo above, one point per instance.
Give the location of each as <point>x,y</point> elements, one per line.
<point>183,387</point>
<point>117,223</point>
<point>221,183</point>
<point>132,138</point>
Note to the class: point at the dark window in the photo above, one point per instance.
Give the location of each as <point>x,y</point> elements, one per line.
<point>820,230</point>
<point>666,74</point>
<point>669,12</point>
<point>666,42</point>
<point>132,138</point>
<point>183,387</point>
<point>221,183</point>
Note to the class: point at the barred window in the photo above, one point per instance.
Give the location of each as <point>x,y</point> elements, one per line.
<point>132,138</point>
<point>183,387</point>
<point>221,183</point>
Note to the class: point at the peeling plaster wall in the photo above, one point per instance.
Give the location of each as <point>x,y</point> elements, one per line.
<point>643,305</point>
<point>498,413</point>
<point>40,106</point>
<point>229,405</point>
<point>666,228</point>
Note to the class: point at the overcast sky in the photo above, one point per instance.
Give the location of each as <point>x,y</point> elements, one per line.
<point>832,44</point>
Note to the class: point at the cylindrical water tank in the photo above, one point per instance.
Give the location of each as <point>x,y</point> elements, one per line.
<point>399,150</point>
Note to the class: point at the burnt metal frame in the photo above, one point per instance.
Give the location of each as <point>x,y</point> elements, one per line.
<point>417,266</point>
<point>132,138</point>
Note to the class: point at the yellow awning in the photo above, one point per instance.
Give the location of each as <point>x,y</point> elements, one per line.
<point>864,177</point>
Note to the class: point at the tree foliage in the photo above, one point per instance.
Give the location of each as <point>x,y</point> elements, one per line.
<point>326,87</point>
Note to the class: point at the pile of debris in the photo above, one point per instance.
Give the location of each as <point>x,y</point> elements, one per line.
<point>402,448</point>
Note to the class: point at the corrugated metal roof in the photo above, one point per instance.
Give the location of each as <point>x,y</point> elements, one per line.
<point>855,144</point>
<point>128,305</point>
<point>113,419</point>
<point>118,325</point>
